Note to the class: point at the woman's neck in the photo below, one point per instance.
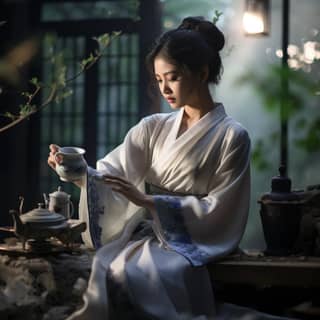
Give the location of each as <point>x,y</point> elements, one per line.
<point>193,113</point>
<point>198,108</point>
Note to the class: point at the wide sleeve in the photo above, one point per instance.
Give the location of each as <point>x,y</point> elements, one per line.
<point>203,229</point>
<point>107,212</point>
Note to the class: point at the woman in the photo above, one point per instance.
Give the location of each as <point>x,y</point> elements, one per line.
<point>154,246</point>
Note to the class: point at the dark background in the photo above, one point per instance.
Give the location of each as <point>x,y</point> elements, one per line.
<point>24,148</point>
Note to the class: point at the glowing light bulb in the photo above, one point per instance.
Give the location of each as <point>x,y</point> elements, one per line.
<point>253,23</point>
<point>256,17</point>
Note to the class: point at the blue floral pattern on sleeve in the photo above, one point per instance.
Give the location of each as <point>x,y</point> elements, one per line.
<point>175,232</point>
<point>94,212</point>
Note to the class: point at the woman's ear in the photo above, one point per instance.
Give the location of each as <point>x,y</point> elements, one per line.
<point>204,74</point>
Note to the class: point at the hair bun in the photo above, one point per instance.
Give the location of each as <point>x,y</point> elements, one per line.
<point>208,30</point>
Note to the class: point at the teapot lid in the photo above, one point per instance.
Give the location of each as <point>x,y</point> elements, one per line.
<point>42,215</point>
<point>60,194</point>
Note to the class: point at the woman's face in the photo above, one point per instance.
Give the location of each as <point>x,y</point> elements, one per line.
<point>178,87</point>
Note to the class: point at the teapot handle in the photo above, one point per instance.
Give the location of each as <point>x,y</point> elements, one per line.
<point>21,199</point>
<point>71,209</point>
<point>46,200</point>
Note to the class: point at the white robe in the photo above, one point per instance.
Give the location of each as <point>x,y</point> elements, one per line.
<point>200,216</point>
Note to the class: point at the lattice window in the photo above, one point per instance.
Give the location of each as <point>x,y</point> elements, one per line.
<point>105,102</point>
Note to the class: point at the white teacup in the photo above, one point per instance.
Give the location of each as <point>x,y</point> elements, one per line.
<point>71,165</point>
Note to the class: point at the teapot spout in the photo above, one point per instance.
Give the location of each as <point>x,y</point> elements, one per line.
<point>20,229</point>
<point>17,223</point>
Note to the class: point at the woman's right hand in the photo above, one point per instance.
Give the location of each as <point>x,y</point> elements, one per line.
<point>51,158</point>
<point>53,161</point>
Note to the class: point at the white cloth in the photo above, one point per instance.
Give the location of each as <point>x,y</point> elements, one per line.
<point>203,217</point>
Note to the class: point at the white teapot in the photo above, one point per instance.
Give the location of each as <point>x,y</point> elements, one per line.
<point>59,202</point>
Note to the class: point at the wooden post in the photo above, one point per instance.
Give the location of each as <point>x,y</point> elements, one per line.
<point>284,87</point>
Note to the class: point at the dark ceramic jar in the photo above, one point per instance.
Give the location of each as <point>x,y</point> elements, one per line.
<point>280,216</point>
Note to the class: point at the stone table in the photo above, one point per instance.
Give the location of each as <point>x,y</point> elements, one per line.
<point>43,286</point>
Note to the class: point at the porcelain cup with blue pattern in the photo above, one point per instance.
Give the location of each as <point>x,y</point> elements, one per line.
<point>71,165</point>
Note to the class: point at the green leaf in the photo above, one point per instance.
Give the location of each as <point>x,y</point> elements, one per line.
<point>67,93</point>
<point>9,115</point>
<point>26,94</point>
<point>310,142</point>
<point>35,81</point>
<point>105,39</point>
<point>26,109</point>
<point>85,62</point>
<point>217,15</point>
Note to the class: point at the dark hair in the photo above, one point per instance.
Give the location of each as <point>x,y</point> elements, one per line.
<point>194,44</point>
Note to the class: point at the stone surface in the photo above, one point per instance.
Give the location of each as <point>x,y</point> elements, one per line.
<point>43,287</point>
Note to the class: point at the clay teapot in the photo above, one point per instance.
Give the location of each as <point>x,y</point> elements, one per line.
<point>40,224</point>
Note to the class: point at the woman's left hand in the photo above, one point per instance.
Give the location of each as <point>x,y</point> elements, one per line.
<point>127,189</point>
